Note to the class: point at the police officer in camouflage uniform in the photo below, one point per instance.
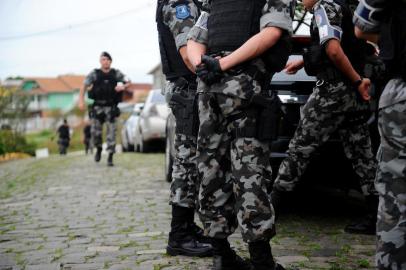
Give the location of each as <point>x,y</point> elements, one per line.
<point>106,86</point>
<point>387,19</point>
<point>174,21</point>
<point>338,103</point>
<point>233,155</point>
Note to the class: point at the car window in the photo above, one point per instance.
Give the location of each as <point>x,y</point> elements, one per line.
<point>157,97</point>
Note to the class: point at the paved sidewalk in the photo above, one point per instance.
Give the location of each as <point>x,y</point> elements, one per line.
<point>70,213</point>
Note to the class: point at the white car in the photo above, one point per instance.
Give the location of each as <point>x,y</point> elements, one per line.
<point>129,128</point>
<point>152,122</point>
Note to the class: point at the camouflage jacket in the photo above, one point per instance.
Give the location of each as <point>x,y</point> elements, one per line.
<point>180,16</point>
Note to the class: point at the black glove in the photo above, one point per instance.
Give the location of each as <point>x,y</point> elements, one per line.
<point>209,71</point>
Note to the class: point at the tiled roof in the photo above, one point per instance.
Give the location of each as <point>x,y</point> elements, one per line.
<point>73,81</point>
<point>139,86</point>
<point>61,84</point>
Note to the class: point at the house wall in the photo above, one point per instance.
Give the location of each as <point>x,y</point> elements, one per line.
<point>38,102</point>
<point>158,79</point>
<point>61,101</point>
<point>29,85</point>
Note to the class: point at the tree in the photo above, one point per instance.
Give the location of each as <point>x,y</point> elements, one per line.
<point>13,115</point>
<point>13,109</point>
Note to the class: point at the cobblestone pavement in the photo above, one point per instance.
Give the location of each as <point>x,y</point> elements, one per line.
<point>70,213</point>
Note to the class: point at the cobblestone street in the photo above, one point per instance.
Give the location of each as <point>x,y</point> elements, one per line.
<point>70,213</point>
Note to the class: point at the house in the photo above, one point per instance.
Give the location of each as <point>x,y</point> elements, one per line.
<point>12,83</point>
<point>158,77</point>
<point>48,94</point>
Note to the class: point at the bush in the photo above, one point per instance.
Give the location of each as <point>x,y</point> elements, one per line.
<point>12,142</point>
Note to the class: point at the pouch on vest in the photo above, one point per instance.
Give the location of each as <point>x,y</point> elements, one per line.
<point>313,59</point>
<point>184,108</point>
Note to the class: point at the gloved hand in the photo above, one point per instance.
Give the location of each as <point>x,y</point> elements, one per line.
<point>209,71</point>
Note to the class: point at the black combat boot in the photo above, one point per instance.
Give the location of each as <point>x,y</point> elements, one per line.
<point>97,156</point>
<point>225,258</point>
<point>367,224</point>
<point>182,239</point>
<point>199,233</point>
<point>110,160</point>
<point>261,256</point>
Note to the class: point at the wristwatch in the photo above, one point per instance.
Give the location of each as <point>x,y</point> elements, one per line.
<point>357,82</point>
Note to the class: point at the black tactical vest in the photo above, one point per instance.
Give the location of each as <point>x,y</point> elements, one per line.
<point>103,90</point>
<point>355,49</point>
<point>232,23</point>
<point>393,40</point>
<point>172,63</point>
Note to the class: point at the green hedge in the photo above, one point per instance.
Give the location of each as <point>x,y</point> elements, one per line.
<point>11,142</point>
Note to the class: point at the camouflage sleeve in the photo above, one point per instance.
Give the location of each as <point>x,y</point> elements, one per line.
<point>278,13</point>
<point>90,78</point>
<point>328,18</point>
<point>121,77</point>
<point>180,16</point>
<point>199,31</point>
<point>369,15</point>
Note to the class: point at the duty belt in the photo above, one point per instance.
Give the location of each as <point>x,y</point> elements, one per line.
<point>104,103</point>
<point>330,75</point>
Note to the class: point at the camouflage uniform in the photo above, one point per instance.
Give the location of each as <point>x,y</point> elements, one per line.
<point>391,175</point>
<point>184,174</point>
<point>391,180</point>
<point>234,169</point>
<point>329,109</point>
<point>104,114</point>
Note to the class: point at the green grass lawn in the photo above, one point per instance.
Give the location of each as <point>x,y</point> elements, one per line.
<point>48,139</point>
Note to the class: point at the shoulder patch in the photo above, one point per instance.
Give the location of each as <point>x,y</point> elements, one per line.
<point>182,12</point>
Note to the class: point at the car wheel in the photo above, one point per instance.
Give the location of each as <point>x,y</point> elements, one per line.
<point>143,146</point>
<point>131,148</point>
<point>168,160</point>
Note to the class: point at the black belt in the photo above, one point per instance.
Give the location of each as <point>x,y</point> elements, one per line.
<point>104,103</point>
<point>330,75</point>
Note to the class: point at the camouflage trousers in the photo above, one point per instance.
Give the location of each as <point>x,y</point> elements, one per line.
<point>101,115</point>
<point>184,172</point>
<point>328,110</point>
<point>234,171</point>
<point>391,186</point>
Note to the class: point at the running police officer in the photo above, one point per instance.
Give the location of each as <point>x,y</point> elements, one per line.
<point>386,20</point>
<point>174,19</point>
<point>233,146</point>
<point>107,85</point>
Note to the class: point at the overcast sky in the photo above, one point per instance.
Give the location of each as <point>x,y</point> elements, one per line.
<point>52,37</point>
